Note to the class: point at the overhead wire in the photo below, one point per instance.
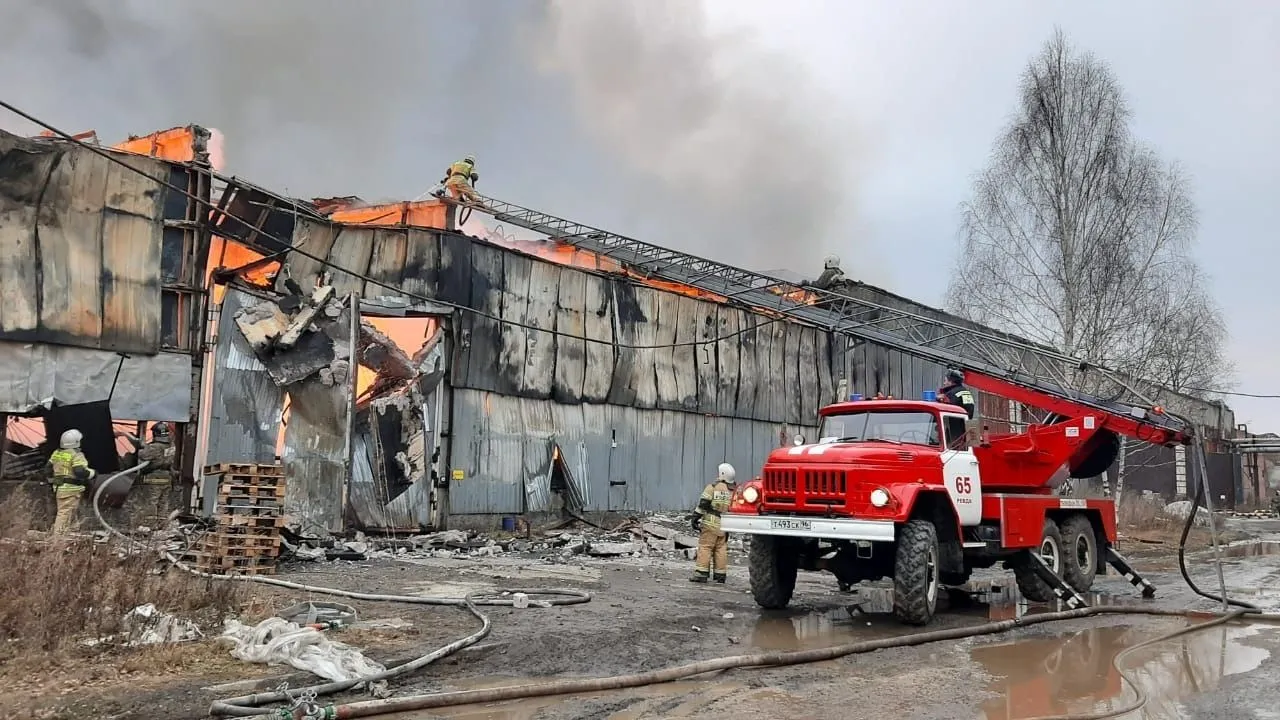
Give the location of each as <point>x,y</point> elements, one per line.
<point>325,262</point>
<point>289,248</point>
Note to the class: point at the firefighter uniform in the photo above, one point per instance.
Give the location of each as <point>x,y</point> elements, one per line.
<point>713,548</point>
<point>69,473</point>
<point>459,179</point>
<point>954,392</point>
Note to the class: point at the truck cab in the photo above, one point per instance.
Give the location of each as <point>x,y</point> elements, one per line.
<point>895,489</point>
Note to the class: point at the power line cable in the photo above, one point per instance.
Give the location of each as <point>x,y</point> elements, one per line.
<point>325,262</point>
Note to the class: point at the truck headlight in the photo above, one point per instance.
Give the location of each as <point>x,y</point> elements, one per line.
<point>880,497</point>
<point>750,494</point>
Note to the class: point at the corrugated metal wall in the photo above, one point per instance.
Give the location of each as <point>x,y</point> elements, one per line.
<point>244,416</point>
<point>626,459</point>
<point>80,247</point>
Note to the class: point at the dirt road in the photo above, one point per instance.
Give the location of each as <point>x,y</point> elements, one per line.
<point>646,615</point>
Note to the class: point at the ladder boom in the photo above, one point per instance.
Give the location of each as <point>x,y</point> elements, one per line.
<point>1037,374</point>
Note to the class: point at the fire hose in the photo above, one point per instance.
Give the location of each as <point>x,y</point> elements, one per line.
<point>250,705</point>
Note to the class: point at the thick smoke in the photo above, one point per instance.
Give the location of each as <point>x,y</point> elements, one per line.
<point>735,135</point>
<point>634,115</point>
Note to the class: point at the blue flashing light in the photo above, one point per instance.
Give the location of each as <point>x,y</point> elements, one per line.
<point>931,396</point>
<point>855,397</point>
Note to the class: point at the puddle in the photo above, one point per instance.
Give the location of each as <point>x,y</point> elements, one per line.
<point>1073,672</point>
<point>1253,549</point>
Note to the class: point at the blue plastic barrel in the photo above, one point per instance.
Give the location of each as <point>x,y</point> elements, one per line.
<point>931,396</point>
<point>855,397</point>
<point>508,524</point>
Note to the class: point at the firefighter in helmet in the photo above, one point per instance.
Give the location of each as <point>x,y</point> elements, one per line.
<point>69,473</point>
<point>460,178</point>
<point>713,548</point>
<point>954,391</point>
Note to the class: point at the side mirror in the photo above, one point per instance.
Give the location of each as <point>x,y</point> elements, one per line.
<point>798,439</point>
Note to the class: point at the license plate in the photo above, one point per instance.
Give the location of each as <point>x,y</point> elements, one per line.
<point>780,524</point>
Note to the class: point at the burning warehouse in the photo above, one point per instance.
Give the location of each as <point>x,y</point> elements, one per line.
<point>408,371</point>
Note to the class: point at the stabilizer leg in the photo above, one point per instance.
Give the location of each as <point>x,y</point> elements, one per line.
<point>1122,566</point>
<point>1065,592</point>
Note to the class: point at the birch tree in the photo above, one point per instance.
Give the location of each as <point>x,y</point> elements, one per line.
<point>1079,237</point>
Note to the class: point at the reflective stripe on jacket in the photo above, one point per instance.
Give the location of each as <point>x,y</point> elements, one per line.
<point>65,463</point>
<point>717,494</point>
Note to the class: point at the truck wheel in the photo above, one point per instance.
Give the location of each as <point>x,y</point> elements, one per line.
<point>1079,553</point>
<point>916,576</point>
<point>1029,583</point>
<point>772,564</point>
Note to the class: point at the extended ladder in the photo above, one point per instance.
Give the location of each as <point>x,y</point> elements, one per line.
<point>1037,368</point>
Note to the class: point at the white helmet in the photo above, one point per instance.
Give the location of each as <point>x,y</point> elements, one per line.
<point>71,440</point>
<point>831,262</point>
<point>470,158</point>
<point>725,473</point>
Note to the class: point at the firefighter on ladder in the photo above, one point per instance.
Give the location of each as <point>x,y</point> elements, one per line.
<point>69,472</point>
<point>713,548</point>
<point>460,178</point>
<point>954,392</point>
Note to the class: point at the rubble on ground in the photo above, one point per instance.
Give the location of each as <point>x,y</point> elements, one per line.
<point>1182,508</point>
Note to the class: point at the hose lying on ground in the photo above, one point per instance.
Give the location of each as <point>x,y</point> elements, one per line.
<point>248,705</point>
<point>770,659</point>
<point>243,706</point>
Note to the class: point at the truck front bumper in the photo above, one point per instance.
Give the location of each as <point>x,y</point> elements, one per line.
<point>824,528</point>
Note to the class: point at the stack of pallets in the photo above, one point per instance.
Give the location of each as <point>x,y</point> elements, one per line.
<point>249,515</point>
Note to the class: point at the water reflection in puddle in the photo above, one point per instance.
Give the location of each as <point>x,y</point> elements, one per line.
<point>1074,672</point>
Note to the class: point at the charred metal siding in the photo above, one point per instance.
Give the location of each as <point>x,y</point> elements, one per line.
<point>625,459</point>
<point>244,417</point>
<point>80,247</point>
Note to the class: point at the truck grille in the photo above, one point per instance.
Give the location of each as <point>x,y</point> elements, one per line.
<point>816,486</point>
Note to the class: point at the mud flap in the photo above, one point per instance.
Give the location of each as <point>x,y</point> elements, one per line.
<point>1060,588</point>
<point>1123,567</point>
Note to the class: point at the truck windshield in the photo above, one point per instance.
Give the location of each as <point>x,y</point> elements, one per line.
<point>905,427</point>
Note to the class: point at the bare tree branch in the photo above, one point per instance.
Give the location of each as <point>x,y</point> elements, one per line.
<point>1079,237</point>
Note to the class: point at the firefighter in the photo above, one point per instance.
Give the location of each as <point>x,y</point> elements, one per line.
<point>954,392</point>
<point>460,179</point>
<point>831,274</point>
<point>70,474</point>
<point>713,548</point>
<point>159,452</point>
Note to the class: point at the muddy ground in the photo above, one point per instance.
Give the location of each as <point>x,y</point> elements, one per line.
<point>646,615</point>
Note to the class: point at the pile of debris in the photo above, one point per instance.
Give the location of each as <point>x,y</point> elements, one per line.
<point>657,536</point>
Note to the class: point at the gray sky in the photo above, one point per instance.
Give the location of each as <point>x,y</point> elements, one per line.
<point>759,133</point>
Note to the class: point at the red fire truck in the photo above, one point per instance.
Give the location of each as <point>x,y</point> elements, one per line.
<point>915,491</point>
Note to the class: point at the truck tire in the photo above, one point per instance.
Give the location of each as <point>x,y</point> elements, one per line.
<point>916,573</point>
<point>1029,583</point>
<point>772,565</point>
<point>1079,553</point>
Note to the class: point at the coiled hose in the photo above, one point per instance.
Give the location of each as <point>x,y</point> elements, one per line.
<point>250,705</point>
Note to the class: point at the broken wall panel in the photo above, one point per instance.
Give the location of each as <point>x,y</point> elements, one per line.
<point>571,349</point>
<point>315,239</point>
<point>244,414</point>
<point>600,356</point>
<point>421,272</point>
<point>667,323</point>
<point>539,373</point>
<point>349,258</point>
<point>625,459</point>
<point>147,387</point>
<point>387,259</point>
<point>79,246</point>
<point>684,357</point>
<point>514,293</point>
<point>728,328</point>
<point>315,439</point>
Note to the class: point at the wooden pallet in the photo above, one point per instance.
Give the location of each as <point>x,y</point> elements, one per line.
<point>249,511</point>
<point>251,469</point>
<point>237,566</point>
<point>250,492</point>
<point>262,522</point>
<point>250,481</point>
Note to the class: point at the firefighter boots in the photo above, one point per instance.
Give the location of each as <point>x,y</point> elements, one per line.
<point>719,577</point>
<point>699,576</point>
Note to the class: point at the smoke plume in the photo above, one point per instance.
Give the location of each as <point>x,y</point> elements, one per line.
<point>735,135</point>
<point>636,116</point>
